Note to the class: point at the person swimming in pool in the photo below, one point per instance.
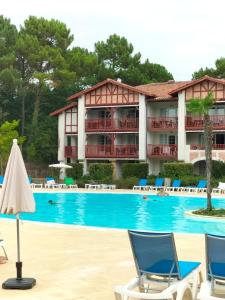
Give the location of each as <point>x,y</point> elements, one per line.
<point>52,202</point>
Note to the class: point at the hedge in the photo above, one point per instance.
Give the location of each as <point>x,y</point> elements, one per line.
<point>101,171</point>
<point>177,169</point>
<point>76,172</point>
<point>138,170</point>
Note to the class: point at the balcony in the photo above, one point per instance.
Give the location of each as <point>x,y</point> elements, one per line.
<point>162,151</point>
<point>197,123</point>
<point>202,147</point>
<point>70,151</point>
<point>109,124</point>
<point>162,123</point>
<point>112,151</point>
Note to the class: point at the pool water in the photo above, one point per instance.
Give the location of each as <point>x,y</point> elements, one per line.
<point>125,211</point>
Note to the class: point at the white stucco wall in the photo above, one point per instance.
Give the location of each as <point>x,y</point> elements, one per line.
<point>181,125</point>
<point>61,137</point>
<point>81,140</point>
<point>142,128</point>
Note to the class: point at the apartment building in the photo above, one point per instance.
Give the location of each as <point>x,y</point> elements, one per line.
<point>117,123</point>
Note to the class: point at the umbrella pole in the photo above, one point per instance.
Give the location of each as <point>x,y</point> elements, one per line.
<point>19,283</point>
<point>18,263</point>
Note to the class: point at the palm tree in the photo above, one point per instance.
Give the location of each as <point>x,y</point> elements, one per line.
<point>201,107</point>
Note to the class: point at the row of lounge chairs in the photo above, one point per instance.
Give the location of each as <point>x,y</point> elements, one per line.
<point>100,186</point>
<point>162,276</point>
<point>176,186</point>
<point>50,183</point>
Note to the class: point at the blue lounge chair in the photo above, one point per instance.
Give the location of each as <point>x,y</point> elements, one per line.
<point>157,263</point>
<point>158,185</point>
<point>142,184</point>
<point>175,186</point>
<point>215,268</point>
<point>201,187</point>
<point>1,180</point>
<point>50,183</point>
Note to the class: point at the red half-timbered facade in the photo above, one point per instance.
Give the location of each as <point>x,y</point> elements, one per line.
<point>113,121</point>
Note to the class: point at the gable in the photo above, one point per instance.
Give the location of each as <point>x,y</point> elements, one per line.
<point>111,94</point>
<point>201,90</point>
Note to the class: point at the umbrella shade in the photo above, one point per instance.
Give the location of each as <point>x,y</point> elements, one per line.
<point>16,195</point>
<point>60,166</point>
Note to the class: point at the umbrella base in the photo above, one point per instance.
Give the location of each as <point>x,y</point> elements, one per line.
<point>19,284</point>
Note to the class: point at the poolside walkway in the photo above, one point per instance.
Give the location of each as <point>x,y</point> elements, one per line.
<point>76,263</point>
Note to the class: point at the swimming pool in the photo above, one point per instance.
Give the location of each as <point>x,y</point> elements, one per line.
<point>125,211</point>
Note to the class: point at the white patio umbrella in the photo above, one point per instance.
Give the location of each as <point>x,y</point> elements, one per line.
<point>16,197</point>
<point>60,166</point>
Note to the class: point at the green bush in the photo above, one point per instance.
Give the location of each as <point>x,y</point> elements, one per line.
<point>218,169</point>
<point>126,183</point>
<point>190,180</point>
<point>151,179</point>
<point>139,170</point>
<point>101,171</point>
<point>76,172</point>
<point>83,180</point>
<point>177,169</point>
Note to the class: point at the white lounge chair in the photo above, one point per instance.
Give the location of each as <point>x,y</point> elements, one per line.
<point>220,188</point>
<point>214,286</point>
<point>157,266</point>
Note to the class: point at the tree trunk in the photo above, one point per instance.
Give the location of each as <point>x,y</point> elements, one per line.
<point>208,155</point>
<point>36,107</point>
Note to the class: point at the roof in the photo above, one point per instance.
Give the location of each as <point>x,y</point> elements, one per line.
<point>162,90</point>
<point>115,82</point>
<point>194,82</point>
<point>62,109</point>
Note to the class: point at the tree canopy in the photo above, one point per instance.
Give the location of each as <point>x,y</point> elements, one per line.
<point>218,71</point>
<point>41,65</point>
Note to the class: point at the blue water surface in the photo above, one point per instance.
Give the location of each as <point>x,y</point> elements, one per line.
<point>125,211</point>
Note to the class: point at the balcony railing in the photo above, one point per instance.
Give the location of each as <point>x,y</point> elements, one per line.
<point>197,123</point>
<point>70,151</point>
<point>162,151</point>
<point>112,151</point>
<point>202,147</point>
<point>109,124</point>
<point>162,123</point>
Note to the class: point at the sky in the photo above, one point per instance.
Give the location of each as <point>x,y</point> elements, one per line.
<point>182,35</point>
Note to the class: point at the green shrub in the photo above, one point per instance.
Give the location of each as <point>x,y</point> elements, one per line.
<point>177,169</point>
<point>83,180</point>
<point>151,179</point>
<point>218,169</point>
<point>126,183</point>
<point>139,170</point>
<point>101,171</point>
<point>76,172</point>
<point>190,180</point>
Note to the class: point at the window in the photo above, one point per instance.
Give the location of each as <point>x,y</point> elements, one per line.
<point>167,139</point>
<point>71,120</point>
<point>168,112</point>
<point>172,140</point>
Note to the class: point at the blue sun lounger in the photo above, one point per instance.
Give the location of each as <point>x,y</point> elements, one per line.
<point>157,264</point>
<point>142,184</point>
<point>201,187</point>
<point>158,185</point>
<point>175,186</point>
<point>215,268</point>
<point>1,180</point>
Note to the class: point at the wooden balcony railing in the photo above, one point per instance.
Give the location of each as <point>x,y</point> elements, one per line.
<point>70,151</point>
<point>112,151</point>
<point>162,123</point>
<point>202,147</point>
<point>109,124</point>
<point>197,123</point>
<point>162,151</point>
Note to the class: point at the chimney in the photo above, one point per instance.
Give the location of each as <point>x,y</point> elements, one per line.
<point>119,80</point>
<point>171,81</point>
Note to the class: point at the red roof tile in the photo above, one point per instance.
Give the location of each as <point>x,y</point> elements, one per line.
<point>129,87</point>
<point>162,89</point>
